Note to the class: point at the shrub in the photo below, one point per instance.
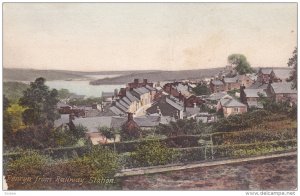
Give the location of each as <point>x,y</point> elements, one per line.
<point>153,153</point>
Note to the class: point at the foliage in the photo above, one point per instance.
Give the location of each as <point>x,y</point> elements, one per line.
<point>64,93</point>
<point>253,136</point>
<point>294,64</point>
<point>181,127</point>
<point>7,119</point>
<point>232,92</point>
<point>29,162</point>
<point>108,133</point>
<point>34,137</point>
<point>241,121</point>
<point>153,153</point>
<point>15,111</point>
<point>41,103</point>
<point>6,103</point>
<point>242,66</point>
<point>201,89</point>
<point>14,90</point>
<point>205,108</point>
<point>85,102</point>
<point>79,131</point>
<point>99,162</point>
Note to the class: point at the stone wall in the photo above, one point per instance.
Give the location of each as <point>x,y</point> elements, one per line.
<point>269,174</point>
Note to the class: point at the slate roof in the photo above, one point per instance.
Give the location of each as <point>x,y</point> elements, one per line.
<point>231,102</point>
<point>282,73</point>
<point>143,121</point>
<point>92,123</point>
<point>150,88</point>
<point>120,106</point>
<point>258,85</point>
<point>231,80</point>
<point>131,97</point>
<point>126,100</point>
<point>117,122</point>
<point>283,88</point>
<point>174,104</point>
<point>254,92</point>
<point>217,96</point>
<point>146,121</point>
<point>190,111</point>
<point>64,119</point>
<point>116,110</point>
<point>217,82</point>
<point>141,90</point>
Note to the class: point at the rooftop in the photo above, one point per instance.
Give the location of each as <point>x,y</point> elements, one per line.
<point>231,102</point>
<point>254,92</point>
<point>282,73</point>
<point>217,82</point>
<point>283,88</point>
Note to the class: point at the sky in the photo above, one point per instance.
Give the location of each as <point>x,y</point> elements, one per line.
<point>146,36</point>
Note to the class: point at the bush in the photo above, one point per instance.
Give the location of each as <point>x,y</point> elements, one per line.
<point>29,163</point>
<point>153,153</point>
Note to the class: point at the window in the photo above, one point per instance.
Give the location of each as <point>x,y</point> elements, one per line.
<point>236,109</point>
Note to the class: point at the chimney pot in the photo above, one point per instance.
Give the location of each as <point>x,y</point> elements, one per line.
<point>130,116</point>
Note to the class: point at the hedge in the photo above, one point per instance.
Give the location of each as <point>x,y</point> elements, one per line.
<point>253,136</point>
<point>191,154</point>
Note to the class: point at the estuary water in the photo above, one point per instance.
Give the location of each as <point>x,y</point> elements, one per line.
<point>82,87</point>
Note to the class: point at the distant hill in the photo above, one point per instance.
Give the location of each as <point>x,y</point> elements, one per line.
<point>32,74</point>
<point>14,90</point>
<point>155,76</point>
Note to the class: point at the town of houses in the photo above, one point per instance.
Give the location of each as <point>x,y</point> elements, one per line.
<point>147,104</point>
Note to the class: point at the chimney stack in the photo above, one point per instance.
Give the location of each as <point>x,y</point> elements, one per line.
<point>130,116</point>
<point>145,81</point>
<point>136,81</point>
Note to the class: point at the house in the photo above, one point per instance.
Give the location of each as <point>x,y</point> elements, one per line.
<point>144,122</point>
<point>231,83</point>
<point>143,94</point>
<point>282,91</point>
<point>231,106</point>
<point>216,86</point>
<point>250,97</point>
<point>130,129</point>
<point>264,75</point>
<point>64,108</point>
<point>166,106</point>
<point>152,92</point>
<point>247,79</point>
<point>137,84</point>
<point>204,117</point>
<point>280,75</point>
<point>135,103</point>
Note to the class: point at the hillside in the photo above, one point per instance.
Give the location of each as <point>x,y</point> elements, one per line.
<point>14,90</point>
<point>32,74</point>
<point>160,76</point>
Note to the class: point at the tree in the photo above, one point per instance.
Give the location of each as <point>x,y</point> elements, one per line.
<point>241,64</point>
<point>15,111</point>
<point>108,133</point>
<point>294,64</point>
<point>64,93</point>
<point>201,89</point>
<point>7,128</point>
<point>40,103</point>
